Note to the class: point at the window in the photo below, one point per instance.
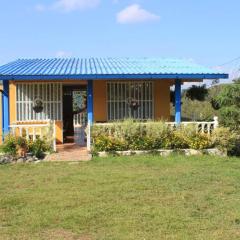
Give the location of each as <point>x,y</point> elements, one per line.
<point>130,100</point>
<point>47,95</point>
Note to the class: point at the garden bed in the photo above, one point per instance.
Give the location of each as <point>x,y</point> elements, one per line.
<point>132,137</point>
<point>16,149</point>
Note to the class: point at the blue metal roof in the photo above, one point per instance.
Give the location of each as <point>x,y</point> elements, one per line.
<point>105,68</point>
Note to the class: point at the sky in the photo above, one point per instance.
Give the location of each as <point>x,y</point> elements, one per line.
<point>205,31</point>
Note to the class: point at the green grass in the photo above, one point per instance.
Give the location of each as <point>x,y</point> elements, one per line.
<point>122,198</point>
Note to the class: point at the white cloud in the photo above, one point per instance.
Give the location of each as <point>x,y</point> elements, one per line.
<point>68,5</point>
<point>72,5</point>
<point>63,54</point>
<point>135,14</point>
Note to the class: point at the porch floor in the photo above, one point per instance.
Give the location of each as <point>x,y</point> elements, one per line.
<point>70,152</point>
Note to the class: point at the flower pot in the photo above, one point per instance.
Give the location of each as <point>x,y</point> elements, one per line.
<point>22,151</point>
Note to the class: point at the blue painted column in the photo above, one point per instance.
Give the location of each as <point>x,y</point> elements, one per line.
<point>5,108</point>
<point>90,101</point>
<point>177,101</point>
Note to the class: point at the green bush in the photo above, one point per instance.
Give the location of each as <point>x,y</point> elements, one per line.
<point>38,147</point>
<point>132,135</point>
<point>227,140</point>
<point>13,143</point>
<point>10,145</point>
<point>228,101</point>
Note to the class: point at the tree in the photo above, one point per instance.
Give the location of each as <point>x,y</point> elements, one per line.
<point>197,92</point>
<point>228,101</point>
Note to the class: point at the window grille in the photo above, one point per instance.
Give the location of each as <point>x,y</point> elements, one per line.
<point>50,94</point>
<point>130,100</point>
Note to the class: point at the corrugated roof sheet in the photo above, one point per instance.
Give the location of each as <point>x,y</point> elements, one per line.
<point>105,67</point>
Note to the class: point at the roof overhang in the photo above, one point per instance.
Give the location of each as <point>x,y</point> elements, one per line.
<point>114,77</point>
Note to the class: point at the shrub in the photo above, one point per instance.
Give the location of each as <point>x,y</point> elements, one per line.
<point>10,145</point>
<point>38,147</point>
<point>132,135</point>
<point>109,144</point>
<point>15,145</point>
<point>200,141</point>
<point>235,151</point>
<point>228,101</point>
<point>227,140</point>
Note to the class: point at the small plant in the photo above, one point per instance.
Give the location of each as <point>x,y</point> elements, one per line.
<point>22,146</point>
<point>17,145</point>
<point>38,147</point>
<point>10,145</point>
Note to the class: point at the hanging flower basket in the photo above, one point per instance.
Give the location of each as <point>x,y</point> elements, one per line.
<point>38,105</point>
<point>133,104</point>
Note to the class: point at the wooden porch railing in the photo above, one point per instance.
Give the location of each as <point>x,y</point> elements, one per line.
<point>33,131</point>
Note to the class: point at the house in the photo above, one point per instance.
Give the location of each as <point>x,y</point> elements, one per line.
<point>72,92</point>
<point>1,91</point>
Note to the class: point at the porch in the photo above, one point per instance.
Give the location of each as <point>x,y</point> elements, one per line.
<point>73,150</point>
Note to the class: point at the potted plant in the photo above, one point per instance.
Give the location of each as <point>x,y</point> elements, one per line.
<point>21,147</point>
<point>38,105</point>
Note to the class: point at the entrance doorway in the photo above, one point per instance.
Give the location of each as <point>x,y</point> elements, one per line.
<point>74,114</point>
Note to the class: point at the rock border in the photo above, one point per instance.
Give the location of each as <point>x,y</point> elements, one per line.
<point>166,152</point>
<point>9,159</point>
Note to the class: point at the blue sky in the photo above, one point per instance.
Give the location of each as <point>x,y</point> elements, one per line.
<point>206,31</point>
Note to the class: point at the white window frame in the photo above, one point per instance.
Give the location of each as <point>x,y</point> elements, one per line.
<point>51,95</point>
<point>118,108</point>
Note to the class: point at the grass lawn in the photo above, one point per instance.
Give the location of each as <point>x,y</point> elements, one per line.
<point>122,198</point>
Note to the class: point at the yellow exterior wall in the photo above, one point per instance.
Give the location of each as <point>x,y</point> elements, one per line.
<point>100,101</point>
<point>162,100</point>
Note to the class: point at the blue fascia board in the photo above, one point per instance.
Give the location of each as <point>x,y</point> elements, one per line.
<point>114,76</point>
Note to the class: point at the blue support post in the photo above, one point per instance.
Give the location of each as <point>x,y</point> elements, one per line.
<point>5,108</point>
<point>90,101</point>
<point>177,101</point>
